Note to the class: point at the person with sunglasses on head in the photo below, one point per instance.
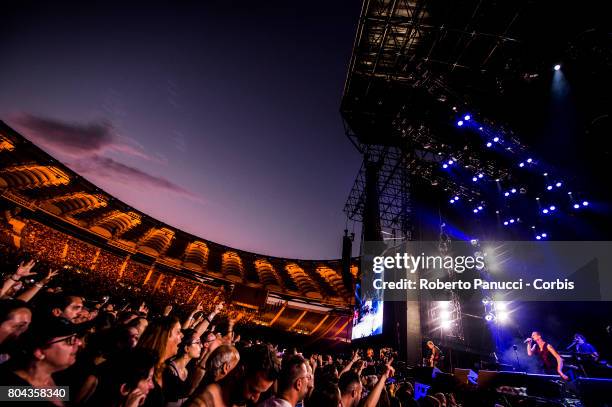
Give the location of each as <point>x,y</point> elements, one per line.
<point>48,347</point>
<point>176,385</point>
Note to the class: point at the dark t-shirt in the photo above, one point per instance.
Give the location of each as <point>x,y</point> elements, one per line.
<point>174,387</point>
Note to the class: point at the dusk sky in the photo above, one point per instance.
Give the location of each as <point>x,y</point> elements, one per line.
<point>219,118</point>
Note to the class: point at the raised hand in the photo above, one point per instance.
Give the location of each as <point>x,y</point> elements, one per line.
<point>167,310</point>
<point>23,270</point>
<point>52,273</point>
<point>389,371</point>
<point>218,307</point>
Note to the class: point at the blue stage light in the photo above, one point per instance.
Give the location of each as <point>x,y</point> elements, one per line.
<point>475,210</point>
<point>474,179</point>
<point>489,144</point>
<point>452,201</point>
<point>558,184</point>
<point>451,162</point>
<point>480,128</point>
<point>539,237</point>
<point>506,193</point>
<point>480,208</point>
<point>585,203</point>
<point>521,165</point>
<point>529,160</point>
<point>489,317</point>
<point>456,197</point>
<point>544,235</point>
<point>549,187</point>
<point>511,220</point>
<point>506,223</point>
<point>557,67</point>
<point>552,207</point>
<point>445,165</point>
<point>576,206</point>
<point>460,123</point>
<point>467,117</point>
<point>496,139</point>
<point>545,211</point>
<point>513,190</point>
<point>480,175</point>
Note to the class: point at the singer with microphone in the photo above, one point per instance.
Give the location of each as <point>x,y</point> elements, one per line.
<point>549,360</point>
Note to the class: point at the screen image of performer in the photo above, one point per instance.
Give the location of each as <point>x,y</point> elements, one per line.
<point>434,358</point>
<point>549,360</point>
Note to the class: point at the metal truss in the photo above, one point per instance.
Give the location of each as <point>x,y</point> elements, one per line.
<point>393,190</point>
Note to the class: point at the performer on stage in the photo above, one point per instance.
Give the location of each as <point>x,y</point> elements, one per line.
<point>435,356</point>
<point>550,361</point>
<point>585,348</point>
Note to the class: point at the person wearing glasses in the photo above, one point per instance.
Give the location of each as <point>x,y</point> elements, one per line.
<point>48,347</point>
<point>176,385</point>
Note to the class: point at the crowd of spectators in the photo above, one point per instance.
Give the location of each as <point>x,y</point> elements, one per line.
<point>89,322</point>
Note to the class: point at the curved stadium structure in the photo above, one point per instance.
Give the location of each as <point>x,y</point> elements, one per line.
<point>44,201</point>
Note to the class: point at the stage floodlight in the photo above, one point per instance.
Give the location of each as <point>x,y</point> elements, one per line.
<point>513,190</point>
<point>456,197</point>
<point>585,203</point>
<point>544,235</point>
<point>549,187</point>
<point>475,210</point>
<point>552,207</point>
<point>529,160</point>
<point>506,223</point>
<point>467,117</point>
<point>445,165</point>
<point>538,237</point>
<point>576,206</point>
<point>451,162</point>
<point>544,211</point>
<point>446,325</point>
<point>489,317</point>
<point>452,201</point>
<point>506,193</point>
<point>480,208</point>
<point>474,179</point>
<point>489,144</point>
<point>481,175</point>
<point>558,184</point>
<point>496,139</point>
<point>511,220</point>
<point>460,123</point>
<point>502,317</point>
<point>521,165</point>
<point>557,67</point>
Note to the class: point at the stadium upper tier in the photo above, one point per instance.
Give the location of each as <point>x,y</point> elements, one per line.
<point>40,184</point>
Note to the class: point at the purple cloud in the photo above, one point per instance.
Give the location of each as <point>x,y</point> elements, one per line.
<point>77,140</point>
<point>109,169</point>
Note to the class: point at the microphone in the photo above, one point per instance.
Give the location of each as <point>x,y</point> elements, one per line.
<point>527,340</point>
<point>571,345</point>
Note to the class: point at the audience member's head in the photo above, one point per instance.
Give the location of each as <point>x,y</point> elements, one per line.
<point>293,380</point>
<point>49,346</point>
<point>325,395</point>
<point>190,346</point>
<point>162,336</point>
<point>220,362</point>
<point>257,370</point>
<point>128,375</point>
<point>15,317</point>
<point>350,389</point>
<point>67,306</point>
